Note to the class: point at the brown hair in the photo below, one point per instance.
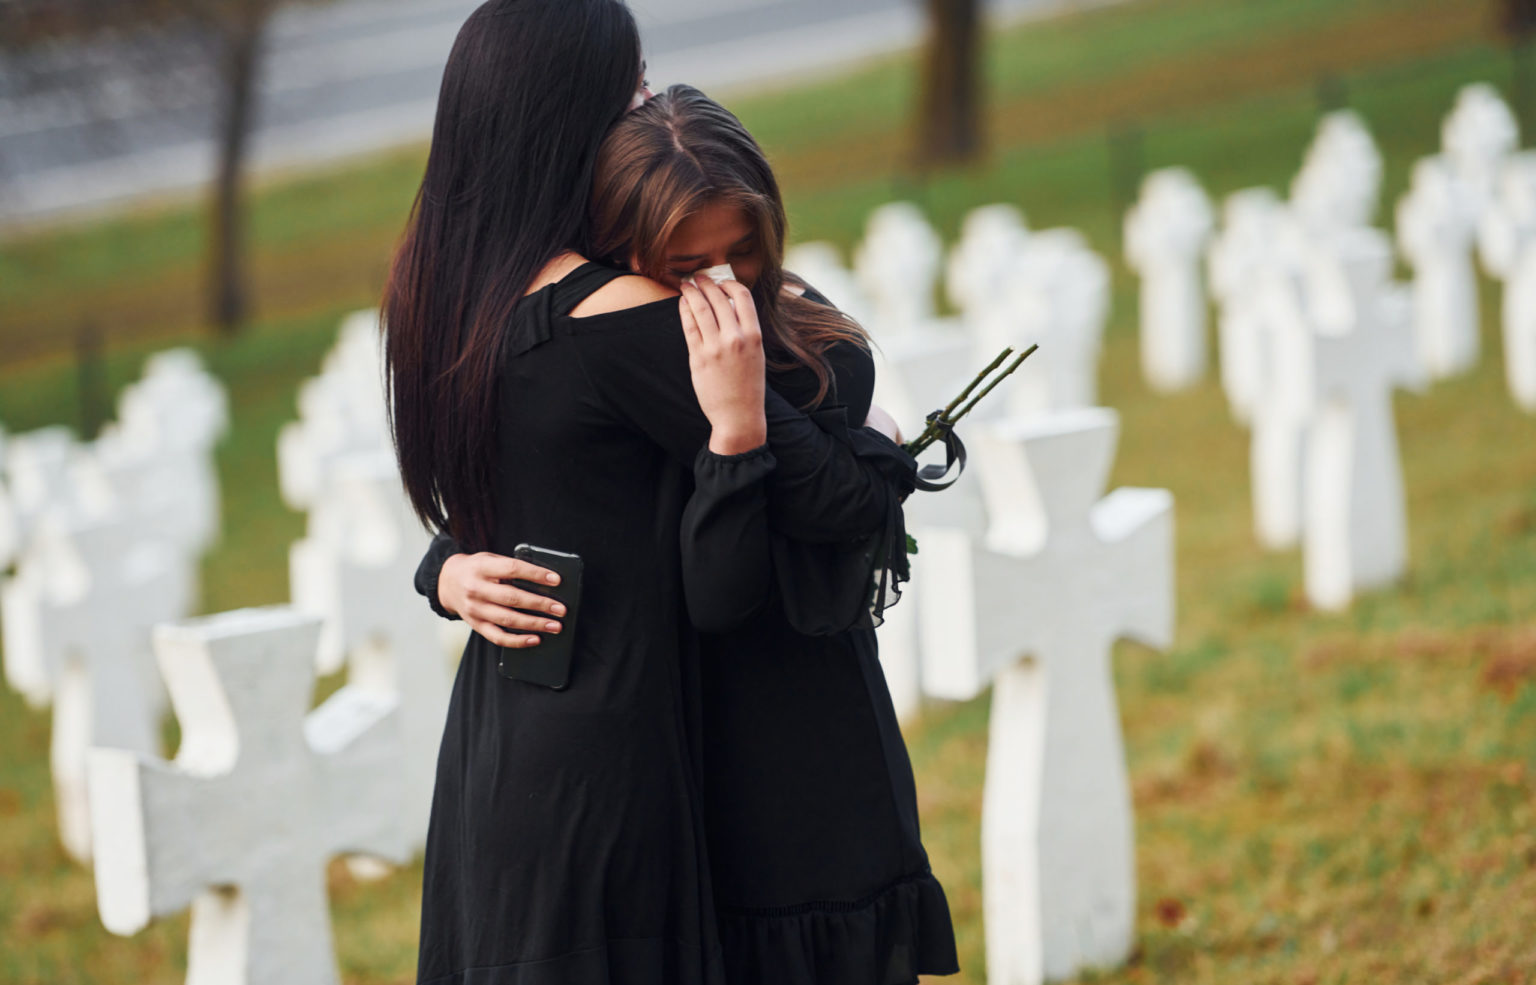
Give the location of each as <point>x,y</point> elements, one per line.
<point>668,160</point>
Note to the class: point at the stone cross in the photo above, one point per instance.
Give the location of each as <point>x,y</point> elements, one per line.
<point>47,471</point>
<point>1035,609</point>
<point>341,411</point>
<point>991,238</point>
<point>10,525</point>
<point>1507,240</point>
<point>1478,137</point>
<point>1055,292</point>
<point>1436,222</point>
<point>898,268</point>
<point>392,643</point>
<point>915,374</point>
<point>162,446</point>
<point>1339,184</point>
<point>1283,402</point>
<point>1356,526</point>
<point>1165,236</point>
<point>77,620</point>
<point>821,266</point>
<point>1245,251</point>
<point>260,796</point>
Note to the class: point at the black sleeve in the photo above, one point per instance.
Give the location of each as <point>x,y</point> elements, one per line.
<point>826,494</point>
<point>820,490</point>
<point>727,563</point>
<point>430,570</point>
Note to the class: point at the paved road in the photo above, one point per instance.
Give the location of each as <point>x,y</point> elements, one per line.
<point>360,75</point>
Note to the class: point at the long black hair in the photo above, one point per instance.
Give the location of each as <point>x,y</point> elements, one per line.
<point>529,91</point>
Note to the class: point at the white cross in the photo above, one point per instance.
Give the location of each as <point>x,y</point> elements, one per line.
<point>341,411</point>
<point>1063,574</point>
<point>1339,184</point>
<point>1165,236</point>
<point>916,374</point>
<point>10,526</point>
<point>159,453</point>
<point>1436,223</point>
<point>1356,525</point>
<point>260,796</point>
<point>1478,136</point>
<point>392,641</point>
<point>991,236</point>
<point>1284,400</point>
<point>1241,255</point>
<point>1054,292</point>
<point>898,268</point>
<point>820,265</point>
<point>46,472</point>
<point>77,619</point>
<point>1507,239</point>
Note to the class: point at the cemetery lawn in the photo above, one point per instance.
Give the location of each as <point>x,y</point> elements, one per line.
<point>1320,799</point>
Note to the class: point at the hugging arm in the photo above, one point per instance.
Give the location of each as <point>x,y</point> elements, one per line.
<point>820,490</point>
<point>812,487</point>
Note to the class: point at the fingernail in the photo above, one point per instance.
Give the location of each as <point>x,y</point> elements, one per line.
<point>557,609</point>
<point>530,641</point>
<point>552,578</point>
<point>552,627</point>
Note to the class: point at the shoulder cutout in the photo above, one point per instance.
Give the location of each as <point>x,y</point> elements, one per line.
<point>627,292</point>
<point>554,272</point>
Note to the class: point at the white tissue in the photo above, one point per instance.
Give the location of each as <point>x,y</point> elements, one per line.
<point>719,274</point>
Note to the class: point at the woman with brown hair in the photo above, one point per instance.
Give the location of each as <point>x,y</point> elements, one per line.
<point>810,811</point>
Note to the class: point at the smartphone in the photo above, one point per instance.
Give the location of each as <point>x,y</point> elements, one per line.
<point>549,663</point>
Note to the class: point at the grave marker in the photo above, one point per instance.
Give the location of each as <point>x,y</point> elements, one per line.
<point>1339,184</point>
<point>1479,136</point>
<point>1055,292</point>
<point>1436,222</point>
<point>991,237</point>
<point>1165,237</point>
<point>1061,575</point>
<point>77,622</point>
<point>393,644</point>
<point>1245,252</point>
<point>1356,525</point>
<point>260,796</point>
<point>897,266</point>
<point>1507,238</point>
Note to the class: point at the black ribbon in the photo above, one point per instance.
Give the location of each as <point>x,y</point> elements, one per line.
<point>929,477</point>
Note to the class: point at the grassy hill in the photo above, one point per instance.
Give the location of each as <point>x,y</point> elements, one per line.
<point>1320,799</point>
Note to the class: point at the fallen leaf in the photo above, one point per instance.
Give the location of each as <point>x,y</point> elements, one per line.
<point>1170,912</point>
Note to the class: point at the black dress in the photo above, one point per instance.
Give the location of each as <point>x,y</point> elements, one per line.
<point>566,844</point>
<point>820,877</point>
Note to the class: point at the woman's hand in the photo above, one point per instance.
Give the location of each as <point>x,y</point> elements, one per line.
<point>725,355</point>
<point>884,423</point>
<point>474,588</point>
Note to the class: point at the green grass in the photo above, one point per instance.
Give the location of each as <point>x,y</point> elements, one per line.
<point>1320,798</point>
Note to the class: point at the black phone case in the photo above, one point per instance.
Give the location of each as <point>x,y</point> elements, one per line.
<point>549,663</point>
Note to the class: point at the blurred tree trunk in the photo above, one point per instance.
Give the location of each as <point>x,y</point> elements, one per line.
<point>238,64</point>
<point>950,128</point>
<point>1517,18</point>
<point>158,50</point>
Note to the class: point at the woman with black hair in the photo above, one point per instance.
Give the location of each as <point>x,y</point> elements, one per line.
<point>566,845</point>
<point>817,865</point>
